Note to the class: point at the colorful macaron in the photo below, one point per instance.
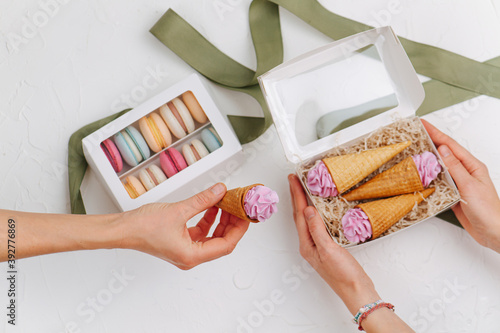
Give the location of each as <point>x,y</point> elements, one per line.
<point>172,162</point>
<point>194,151</point>
<point>113,155</point>
<point>155,132</point>
<point>211,139</point>
<point>132,146</point>
<point>194,107</point>
<point>151,176</point>
<point>134,187</point>
<point>177,117</point>
<point>214,132</point>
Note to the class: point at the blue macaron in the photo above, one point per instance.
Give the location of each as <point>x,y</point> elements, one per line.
<point>211,141</point>
<point>132,146</point>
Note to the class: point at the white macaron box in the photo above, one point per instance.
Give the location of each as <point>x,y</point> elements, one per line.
<point>368,73</point>
<point>161,145</point>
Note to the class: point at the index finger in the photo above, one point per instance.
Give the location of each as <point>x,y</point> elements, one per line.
<point>201,229</point>
<point>471,163</point>
<point>226,219</point>
<point>217,247</point>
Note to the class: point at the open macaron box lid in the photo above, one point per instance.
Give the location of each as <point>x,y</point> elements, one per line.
<point>365,81</point>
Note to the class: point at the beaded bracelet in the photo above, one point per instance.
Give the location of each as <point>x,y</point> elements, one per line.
<point>369,308</point>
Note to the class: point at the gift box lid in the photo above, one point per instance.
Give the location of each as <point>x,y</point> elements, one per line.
<point>361,82</point>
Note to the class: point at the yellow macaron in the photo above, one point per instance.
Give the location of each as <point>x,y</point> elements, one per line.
<point>134,187</point>
<point>155,132</point>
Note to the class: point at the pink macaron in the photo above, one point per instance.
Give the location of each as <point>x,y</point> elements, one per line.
<point>113,155</point>
<point>172,162</point>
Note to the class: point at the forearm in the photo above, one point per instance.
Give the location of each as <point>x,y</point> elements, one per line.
<point>37,234</point>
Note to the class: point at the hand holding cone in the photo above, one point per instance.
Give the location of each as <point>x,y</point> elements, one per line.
<point>254,203</point>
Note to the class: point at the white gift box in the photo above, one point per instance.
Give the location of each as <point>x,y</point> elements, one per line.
<point>113,181</point>
<point>344,79</point>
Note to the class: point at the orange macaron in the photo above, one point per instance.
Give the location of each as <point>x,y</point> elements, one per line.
<point>194,107</point>
<point>134,187</point>
<point>155,132</point>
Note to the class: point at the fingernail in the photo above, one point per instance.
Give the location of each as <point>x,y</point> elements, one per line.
<point>217,188</point>
<point>309,212</point>
<point>444,150</point>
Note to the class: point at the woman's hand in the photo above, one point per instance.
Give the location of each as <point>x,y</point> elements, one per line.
<point>333,263</point>
<point>337,266</point>
<point>479,212</point>
<point>160,230</point>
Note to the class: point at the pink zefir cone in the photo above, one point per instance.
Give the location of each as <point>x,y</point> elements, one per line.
<point>345,171</point>
<point>380,214</point>
<point>428,167</point>
<point>254,203</point>
<point>411,175</point>
<point>320,182</point>
<point>356,225</point>
<point>260,203</point>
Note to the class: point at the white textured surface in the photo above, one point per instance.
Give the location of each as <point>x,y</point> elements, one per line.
<point>84,62</point>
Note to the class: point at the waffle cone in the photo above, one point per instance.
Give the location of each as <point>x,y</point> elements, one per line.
<point>384,213</point>
<point>348,170</point>
<point>402,178</point>
<point>233,202</point>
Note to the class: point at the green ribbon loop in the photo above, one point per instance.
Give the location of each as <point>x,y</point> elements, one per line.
<point>250,128</point>
<point>179,36</point>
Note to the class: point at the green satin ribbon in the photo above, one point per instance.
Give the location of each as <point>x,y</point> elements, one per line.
<point>456,78</point>
<point>179,36</point>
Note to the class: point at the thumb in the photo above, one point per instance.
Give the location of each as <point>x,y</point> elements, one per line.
<point>457,170</point>
<point>317,227</point>
<point>202,201</point>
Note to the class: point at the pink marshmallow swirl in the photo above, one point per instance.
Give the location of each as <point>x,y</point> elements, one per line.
<point>428,167</point>
<point>356,225</point>
<point>260,203</point>
<point>320,182</point>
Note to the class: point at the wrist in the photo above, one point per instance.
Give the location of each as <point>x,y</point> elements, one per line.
<point>358,294</point>
<point>132,226</point>
<point>495,241</point>
<point>104,232</point>
<point>494,244</point>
